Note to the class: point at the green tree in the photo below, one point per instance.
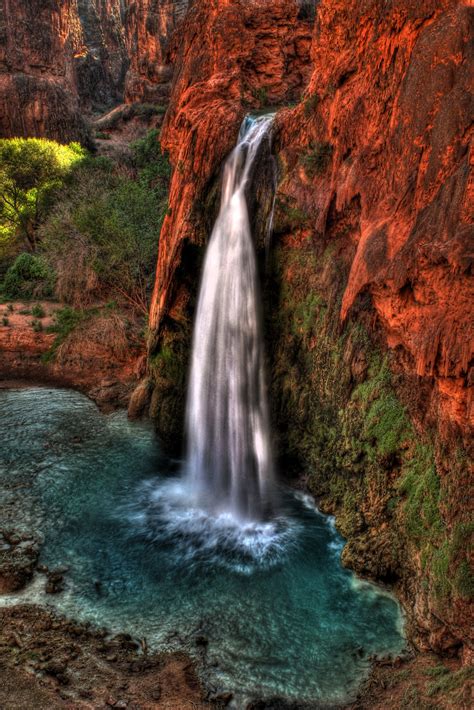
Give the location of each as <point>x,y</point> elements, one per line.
<point>31,170</point>
<point>101,237</point>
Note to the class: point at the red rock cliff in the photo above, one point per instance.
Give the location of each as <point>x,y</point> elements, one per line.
<point>59,60</point>
<point>390,97</point>
<point>38,95</point>
<point>375,158</point>
<point>150,26</point>
<point>233,54</point>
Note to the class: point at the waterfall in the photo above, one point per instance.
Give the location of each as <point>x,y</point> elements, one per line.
<point>229,461</point>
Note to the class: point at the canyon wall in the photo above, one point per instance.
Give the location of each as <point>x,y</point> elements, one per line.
<point>61,61</point>
<point>150,27</point>
<point>38,94</point>
<point>232,56</point>
<point>369,284</point>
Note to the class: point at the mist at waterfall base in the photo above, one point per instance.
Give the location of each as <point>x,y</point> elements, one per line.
<point>210,548</point>
<point>281,616</point>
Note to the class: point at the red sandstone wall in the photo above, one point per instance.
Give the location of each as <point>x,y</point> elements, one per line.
<point>393,100</point>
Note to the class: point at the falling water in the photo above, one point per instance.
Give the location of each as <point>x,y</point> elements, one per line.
<point>229,459</point>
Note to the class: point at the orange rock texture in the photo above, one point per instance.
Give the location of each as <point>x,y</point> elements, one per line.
<point>390,94</point>
<point>388,98</point>
<point>38,95</point>
<point>233,55</point>
<point>91,360</point>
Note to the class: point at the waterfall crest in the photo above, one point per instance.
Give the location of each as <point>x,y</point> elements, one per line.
<point>229,461</point>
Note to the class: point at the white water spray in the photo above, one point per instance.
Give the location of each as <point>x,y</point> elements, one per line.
<point>229,458</point>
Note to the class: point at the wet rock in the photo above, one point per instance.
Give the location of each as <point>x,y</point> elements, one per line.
<point>18,559</point>
<point>55,582</point>
<point>140,399</point>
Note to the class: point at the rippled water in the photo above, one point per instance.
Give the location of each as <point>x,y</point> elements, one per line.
<point>280,614</point>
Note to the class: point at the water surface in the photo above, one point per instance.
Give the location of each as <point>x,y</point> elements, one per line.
<point>266,608</point>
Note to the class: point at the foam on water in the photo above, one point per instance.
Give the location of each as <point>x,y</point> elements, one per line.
<point>281,616</point>
<point>169,512</point>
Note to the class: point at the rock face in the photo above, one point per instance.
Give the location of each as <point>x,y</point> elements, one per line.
<point>150,26</point>
<point>371,268</point>
<point>233,55</point>
<point>389,98</point>
<point>60,60</point>
<point>102,61</point>
<point>38,95</point>
<point>103,358</point>
<point>369,284</point>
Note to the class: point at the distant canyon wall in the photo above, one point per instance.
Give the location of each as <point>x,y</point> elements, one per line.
<point>62,59</point>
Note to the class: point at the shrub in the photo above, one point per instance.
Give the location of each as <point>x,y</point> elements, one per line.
<point>102,238</point>
<point>65,321</point>
<point>37,325</point>
<point>5,321</point>
<point>261,95</point>
<point>38,311</point>
<point>27,277</point>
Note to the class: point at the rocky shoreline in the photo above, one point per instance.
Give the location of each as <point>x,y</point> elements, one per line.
<point>59,662</point>
<point>86,361</point>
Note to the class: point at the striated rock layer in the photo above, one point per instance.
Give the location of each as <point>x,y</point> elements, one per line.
<point>60,60</point>
<point>38,95</point>
<point>371,266</point>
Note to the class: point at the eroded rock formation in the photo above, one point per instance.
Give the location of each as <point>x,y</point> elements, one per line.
<point>150,27</point>
<point>61,60</point>
<point>232,56</point>
<point>390,101</point>
<point>372,218</point>
<point>38,95</point>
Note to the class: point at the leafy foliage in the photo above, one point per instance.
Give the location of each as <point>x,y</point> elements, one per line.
<point>28,276</point>
<point>31,170</point>
<point>102,237</point>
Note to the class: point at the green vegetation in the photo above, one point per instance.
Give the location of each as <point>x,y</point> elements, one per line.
<point>317,159</point>
<point>261,95</point>
<point>65,322</point>
<point>90,226</point>
<point>29,276</point>
<point>38,311</point>
<point>447,681</point>
<point>31,170</point>
<point>102,237</point>
<point>421,487</point>
<point>351,435</point>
